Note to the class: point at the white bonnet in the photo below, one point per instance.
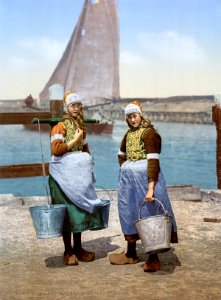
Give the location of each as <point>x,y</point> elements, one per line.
<point>72,98</point>
<point>132,108</point>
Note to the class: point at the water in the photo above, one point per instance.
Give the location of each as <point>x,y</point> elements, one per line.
<point>188,156</point>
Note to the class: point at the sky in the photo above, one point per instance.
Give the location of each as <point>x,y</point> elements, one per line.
<point>167,47</point>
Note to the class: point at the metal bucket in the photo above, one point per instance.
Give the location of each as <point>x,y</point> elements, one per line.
<point>105,212</point>
<point>48,220</point>
<point>105,209</point>
<point>154,231</point>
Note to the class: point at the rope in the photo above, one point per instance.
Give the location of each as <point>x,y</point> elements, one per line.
<point>105,190</point>
<point>92,147</point>
<point>43,164</point>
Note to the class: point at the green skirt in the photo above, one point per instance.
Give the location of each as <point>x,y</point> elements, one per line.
<point>76,219</point>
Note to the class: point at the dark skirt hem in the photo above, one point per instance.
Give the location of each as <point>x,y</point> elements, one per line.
<point>76,219</point>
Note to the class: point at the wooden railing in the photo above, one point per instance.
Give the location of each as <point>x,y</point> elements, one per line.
<point>22,117</point>
<point>25,118</point>
<point>23,170</point>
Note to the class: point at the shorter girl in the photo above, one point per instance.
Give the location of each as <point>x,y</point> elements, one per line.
<point>72,180</point>
<point>140,178</point>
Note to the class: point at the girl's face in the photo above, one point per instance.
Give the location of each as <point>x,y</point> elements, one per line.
<point>74,109</point>
<point>134,120</point>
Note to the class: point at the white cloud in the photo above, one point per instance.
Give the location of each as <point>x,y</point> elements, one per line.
<point>167,47</point>
<point>172,64</point>
<point>32,55</point>
<point>129,58</point>
<point>171,46</point>
<point>45,48</point>
<point>29,67</point>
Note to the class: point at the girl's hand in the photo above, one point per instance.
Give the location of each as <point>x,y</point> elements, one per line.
<point>78,134</point>
<point>149,195</point>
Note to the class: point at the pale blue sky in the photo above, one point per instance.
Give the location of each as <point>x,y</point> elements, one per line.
<point>167,47</point>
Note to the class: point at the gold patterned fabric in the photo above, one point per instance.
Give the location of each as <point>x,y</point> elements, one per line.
<point>135,147</point>
<point>70,128</point>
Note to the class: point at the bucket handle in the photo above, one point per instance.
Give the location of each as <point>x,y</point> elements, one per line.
<point>105,190</point>
<point>155,199</point>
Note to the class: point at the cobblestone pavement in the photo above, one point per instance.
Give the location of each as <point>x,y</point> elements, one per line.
<point>32,268</point>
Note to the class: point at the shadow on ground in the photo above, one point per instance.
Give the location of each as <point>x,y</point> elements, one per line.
<point>168,261</point>
<point>101,245</point>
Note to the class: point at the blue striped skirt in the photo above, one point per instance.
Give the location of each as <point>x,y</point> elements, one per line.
<point>133,186</point>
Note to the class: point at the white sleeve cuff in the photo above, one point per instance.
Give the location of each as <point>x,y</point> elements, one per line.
<point>121,152</point>
<point>57,137</point>
<point>153,156</point>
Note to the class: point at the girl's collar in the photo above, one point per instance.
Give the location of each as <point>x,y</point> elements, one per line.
<point>136,128</point>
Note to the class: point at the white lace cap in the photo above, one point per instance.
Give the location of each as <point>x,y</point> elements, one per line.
<point>132,108</point>
<point>72,98</point>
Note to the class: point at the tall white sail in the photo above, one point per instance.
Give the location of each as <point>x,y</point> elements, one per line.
<point>90,63</point>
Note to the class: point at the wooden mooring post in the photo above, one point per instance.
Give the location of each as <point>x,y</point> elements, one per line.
<point>216,114</point>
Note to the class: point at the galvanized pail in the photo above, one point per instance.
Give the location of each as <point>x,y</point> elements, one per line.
<point>154,231</point>
<point>105,212</point>
<point>48,220</point>
<point>105,209</point>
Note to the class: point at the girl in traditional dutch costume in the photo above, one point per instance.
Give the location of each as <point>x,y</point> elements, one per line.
<point>72,181</point>
<point>140,178</point>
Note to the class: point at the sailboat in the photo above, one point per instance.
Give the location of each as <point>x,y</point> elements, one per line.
<point>90,63</point>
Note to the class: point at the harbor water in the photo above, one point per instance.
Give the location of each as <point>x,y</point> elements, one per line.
<point>188,156</point>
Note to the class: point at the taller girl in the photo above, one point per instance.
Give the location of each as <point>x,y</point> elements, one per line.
<point>140,178</point>
<point>72,180</point>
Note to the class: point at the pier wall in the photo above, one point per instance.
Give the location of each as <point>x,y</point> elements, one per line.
<point>111,113</point>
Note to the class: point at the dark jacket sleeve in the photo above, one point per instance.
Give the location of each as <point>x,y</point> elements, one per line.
<point>122,157</point>
<point>58,146</point>
<point>152,142</point>
<point>85,144</point>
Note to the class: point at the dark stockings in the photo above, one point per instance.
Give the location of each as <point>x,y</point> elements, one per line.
<point>153,257</point>
<point>77,241</point>
<point>67,242</point>
<point>131,249</point>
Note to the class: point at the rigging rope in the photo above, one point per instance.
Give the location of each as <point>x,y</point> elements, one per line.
<point>43,164</point>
